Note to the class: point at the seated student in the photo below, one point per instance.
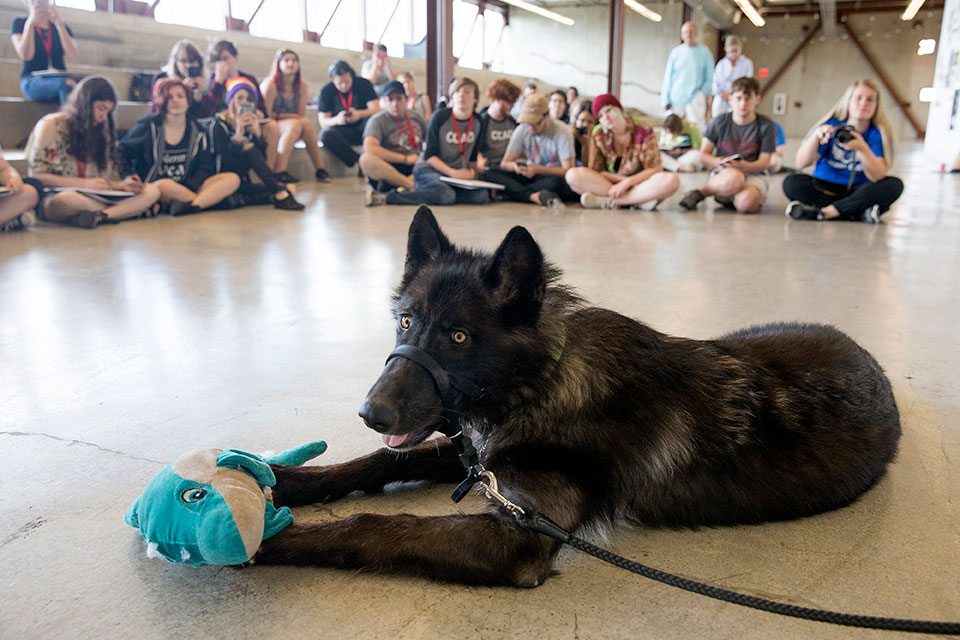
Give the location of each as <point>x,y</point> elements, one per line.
<point>172,151</point>
<point>776,160</point>
<point>17,206</point>
<point>344,104</point>
<point>529,89</point>
<point>238,144</point>
<point>73,148</point>
<point>392,141</point>
<point>453,137</point>
<point>853,148</point>
<point>42,41</point>
<point>186,63</point>
<point>285,96</point>
<point>571,95</point>
<point>539,153</point>
<point>558,106</point>
<point>744,142</point>
<point>498,124</point>
<point>378,69</point>
<point>583,123</point>
<point>624,165</point>
<point>419,102</point>
<point>677,152</point>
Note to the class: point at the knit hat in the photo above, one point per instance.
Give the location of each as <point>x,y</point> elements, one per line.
<point>603,100</point>
<point>238,83</point>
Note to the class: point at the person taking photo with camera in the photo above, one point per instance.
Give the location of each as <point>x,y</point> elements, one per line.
<point>853,148</point>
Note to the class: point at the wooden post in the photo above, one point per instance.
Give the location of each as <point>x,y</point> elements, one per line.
<point>615,52</point>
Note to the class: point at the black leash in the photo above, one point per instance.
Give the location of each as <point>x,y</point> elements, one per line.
<point>445,381</point>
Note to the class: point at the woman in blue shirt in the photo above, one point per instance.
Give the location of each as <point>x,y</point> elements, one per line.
<point>853,149</point>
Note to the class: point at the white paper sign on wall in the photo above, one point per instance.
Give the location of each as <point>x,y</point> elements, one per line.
<point>779,104</point>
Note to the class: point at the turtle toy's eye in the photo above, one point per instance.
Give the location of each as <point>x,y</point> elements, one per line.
<point>194,495</point>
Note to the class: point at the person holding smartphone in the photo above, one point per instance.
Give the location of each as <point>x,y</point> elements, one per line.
<point>186,64</point>
<point>43,42</point>
<point>343,106</point>
<point>378,69</point>
<point>737,146</point>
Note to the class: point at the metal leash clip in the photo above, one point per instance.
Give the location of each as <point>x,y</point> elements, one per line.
<point>490,488</point>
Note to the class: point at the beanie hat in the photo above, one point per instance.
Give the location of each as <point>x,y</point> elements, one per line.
<point>603,100</point>
<point>240,83</point>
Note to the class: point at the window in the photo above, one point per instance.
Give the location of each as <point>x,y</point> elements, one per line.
<point>205,15</point>
<point>345,30</point>
<point>926,47</point>
<point>89,5</point>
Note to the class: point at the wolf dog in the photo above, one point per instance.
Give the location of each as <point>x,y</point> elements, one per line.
<point>590,418</point>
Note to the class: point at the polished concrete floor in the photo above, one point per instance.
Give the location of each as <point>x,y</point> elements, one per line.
<point>125,346</point>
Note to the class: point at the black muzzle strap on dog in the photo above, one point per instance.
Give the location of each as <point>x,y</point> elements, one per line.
<point>445,381</point>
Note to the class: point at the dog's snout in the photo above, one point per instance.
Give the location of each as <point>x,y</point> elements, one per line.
<point>377,416</point>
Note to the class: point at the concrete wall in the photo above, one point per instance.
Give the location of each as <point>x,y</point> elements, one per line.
<point>820,74</point>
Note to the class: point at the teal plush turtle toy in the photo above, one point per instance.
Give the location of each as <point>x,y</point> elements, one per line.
<point>211,506</point>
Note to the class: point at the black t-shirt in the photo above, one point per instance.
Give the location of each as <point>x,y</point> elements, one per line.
<point>173,162</point>
<point>39,61</point>
<point>333,102</point>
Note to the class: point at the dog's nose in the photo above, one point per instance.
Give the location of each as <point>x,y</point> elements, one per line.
<point>377,417</point>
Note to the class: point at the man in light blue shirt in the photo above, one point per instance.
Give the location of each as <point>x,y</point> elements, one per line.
<point>688,78</point>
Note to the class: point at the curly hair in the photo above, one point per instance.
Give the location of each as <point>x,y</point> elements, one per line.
<point>502,89</point>
<point>89,142</point>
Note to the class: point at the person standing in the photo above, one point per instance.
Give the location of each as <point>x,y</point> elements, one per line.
<point>344,104</point>
<point>688,78</point>
<point>732,66</point>
<point>42,41</point>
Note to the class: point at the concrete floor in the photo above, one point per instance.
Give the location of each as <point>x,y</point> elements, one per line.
<point>125,346</point>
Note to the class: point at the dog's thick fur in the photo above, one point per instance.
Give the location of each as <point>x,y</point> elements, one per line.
<point>591,418</point>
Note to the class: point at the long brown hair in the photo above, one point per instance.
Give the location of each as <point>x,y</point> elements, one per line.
<point>86,141</point>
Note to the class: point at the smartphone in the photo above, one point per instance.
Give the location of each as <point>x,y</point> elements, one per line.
<point>735,156</point>
<point>194,72</point>
<point>248,107</point>
<point>521,162</point>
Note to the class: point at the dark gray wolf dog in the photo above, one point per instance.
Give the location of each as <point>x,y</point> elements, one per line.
<point>590,418</point>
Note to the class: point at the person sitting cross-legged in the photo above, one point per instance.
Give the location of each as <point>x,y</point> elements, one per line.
<point>744,142</point>
<point>19,199</point>
<point>624,165</point>
<point>392,141</point>
<point>540,152</point>
<point>452,141</point>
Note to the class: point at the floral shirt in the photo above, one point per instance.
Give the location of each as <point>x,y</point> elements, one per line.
<point>641,153</point>
<point>55,157</point>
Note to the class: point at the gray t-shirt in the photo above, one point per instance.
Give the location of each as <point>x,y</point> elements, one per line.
<point>749,140</point>
<point>442,140</point>
<point>496,137</point>
<point>394,134</point>
<point>546,150</point>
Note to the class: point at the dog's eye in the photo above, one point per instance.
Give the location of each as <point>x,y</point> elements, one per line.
<point>194,495</point>
<point>405,321</point>
<point>459,336</point>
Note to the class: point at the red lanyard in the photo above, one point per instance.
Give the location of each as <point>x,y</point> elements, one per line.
<point>409,131</point>
<point>348,102</point>
<point>81,168</point>
<point>459,141</point>
<point>46,41</point>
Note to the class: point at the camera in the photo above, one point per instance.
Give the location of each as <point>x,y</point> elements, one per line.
<point>194,72</point>
<point>843,133</point>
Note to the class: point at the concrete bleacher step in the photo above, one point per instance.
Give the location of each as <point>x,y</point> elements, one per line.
<point>20,115</point>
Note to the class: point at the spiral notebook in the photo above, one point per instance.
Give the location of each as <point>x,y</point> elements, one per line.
<point>471,184</point>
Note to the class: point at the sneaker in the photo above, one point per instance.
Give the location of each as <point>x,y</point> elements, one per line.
<point>87,219</point>
<point>797,210</point>
<point>181,208</point>
<point>373,198</point>
<point>289,203</point>
<point>691,200</point>
<point>871,215</point>
<point>724,201</point>
<point>549,199</point>
<point>287,177</point>
<point>593,201</point>
<point>322,175</point>
<point>23,221</point>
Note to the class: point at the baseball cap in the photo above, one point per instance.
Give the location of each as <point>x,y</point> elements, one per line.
<point>534,108</point>
<point>394,86</point>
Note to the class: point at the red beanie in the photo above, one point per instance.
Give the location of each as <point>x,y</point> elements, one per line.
<point>602,101</point>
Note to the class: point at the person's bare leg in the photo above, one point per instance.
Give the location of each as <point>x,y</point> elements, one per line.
<point>289,133</point>
<point>309,136</point>
<point>584,180</point>
<point>216,188</point>
<point>271,135</point>
<point>657,187</point>
<point>66,204</point>
<point>134,206</point>
<point>13,205</point>
<point>748,200</point>
<point>377,168</point>
<point>725,182</point>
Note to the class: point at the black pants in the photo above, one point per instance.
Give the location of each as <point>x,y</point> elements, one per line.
<point>519,188</point>
<point>340,140</point>
<point>850,204</point>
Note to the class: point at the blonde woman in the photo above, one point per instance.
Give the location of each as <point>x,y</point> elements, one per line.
<point>853,149</point>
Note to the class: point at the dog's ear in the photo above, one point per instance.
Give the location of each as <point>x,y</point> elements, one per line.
<point>516,277</point>
<point>424,242</point>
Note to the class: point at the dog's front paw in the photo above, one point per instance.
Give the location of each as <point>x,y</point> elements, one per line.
<point>308,485</point>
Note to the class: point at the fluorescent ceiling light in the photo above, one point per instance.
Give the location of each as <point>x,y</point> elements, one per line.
<point>642,10</point>
<point>532,8</point>
<point>911,9</point>
<point>751,12</point>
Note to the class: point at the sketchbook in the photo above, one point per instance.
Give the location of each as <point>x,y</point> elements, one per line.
<point>471,184</point>
<point>103,195</point>
<point>5,191</point>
